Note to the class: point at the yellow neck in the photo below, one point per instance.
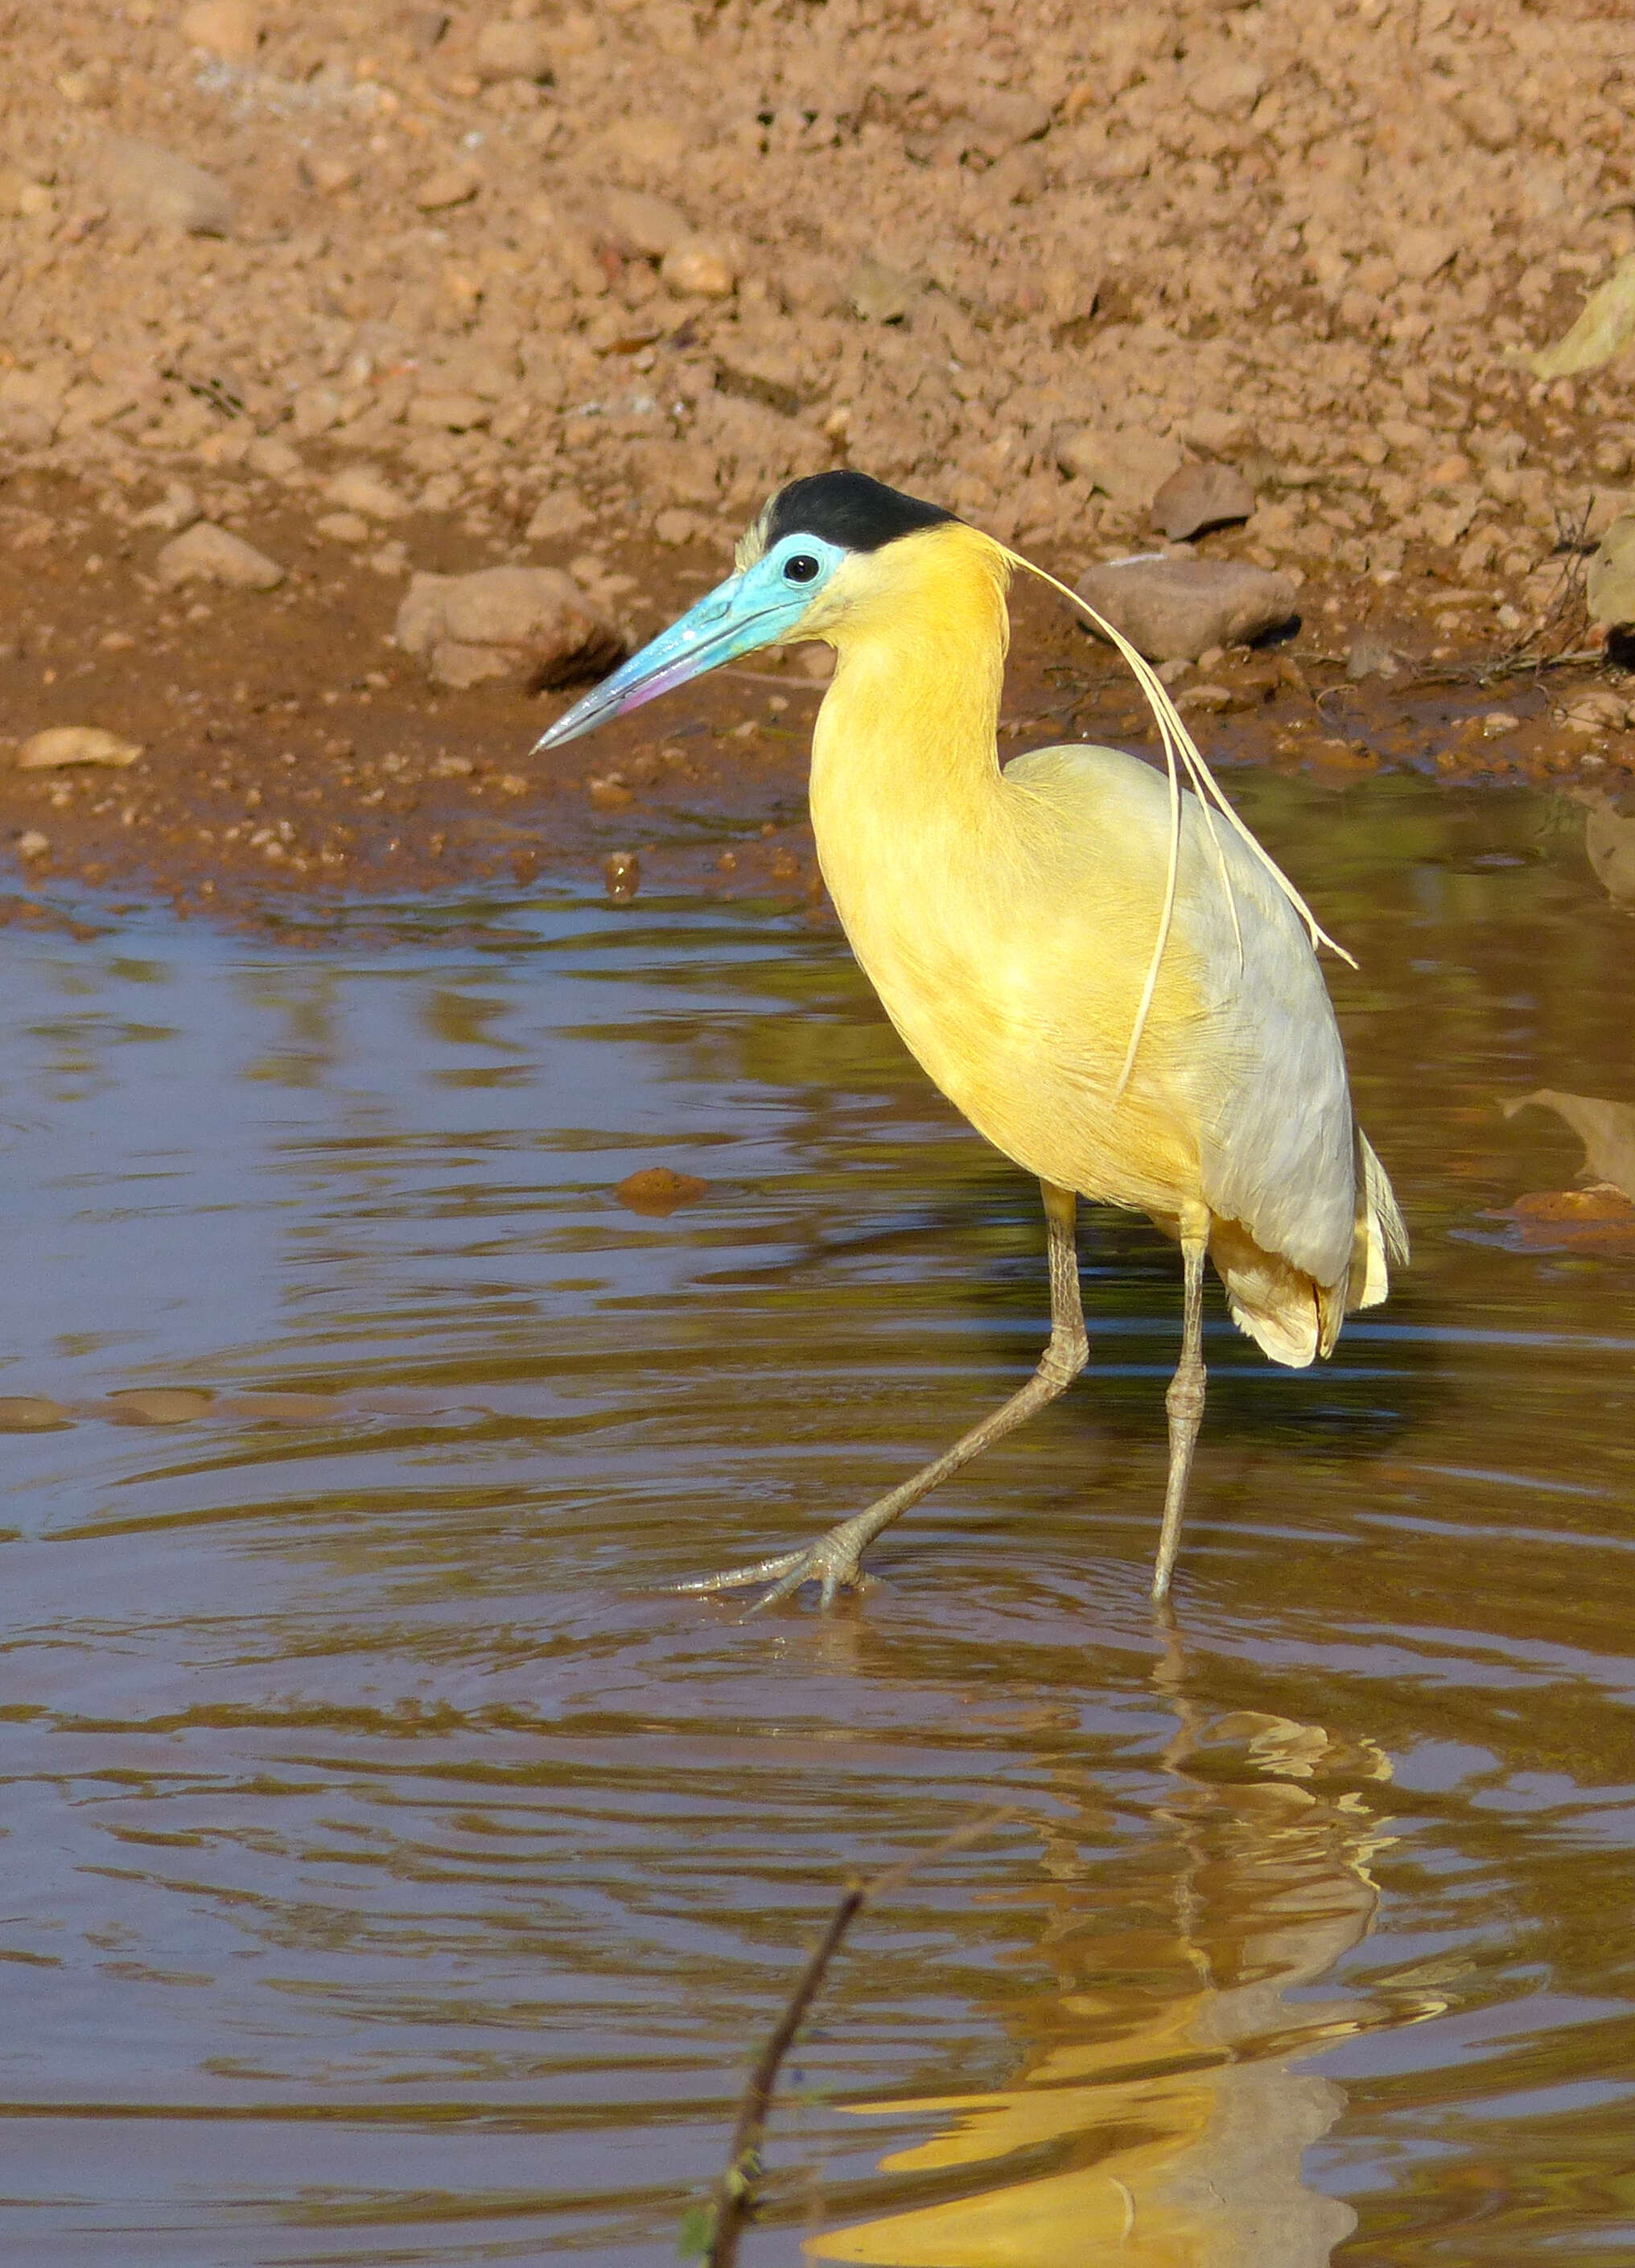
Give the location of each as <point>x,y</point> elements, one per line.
<point>907,730</point>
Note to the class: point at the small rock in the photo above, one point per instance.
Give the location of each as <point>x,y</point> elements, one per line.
<point>1199,497</point>
<point>560,513</point>
<point>513,50</point>
<point>1178,607</point>
<point>1498,722</point>
<point>158,1406</point>
<point>315,410</point>
<point>391,558</point>
<point>208,553</point>
<point>423,27</point>
<point>699,267</point>
<point>1609,584</point>
<point>231,29</point>
<point>1421,252</point>
<point>1370,657</point>
<point>74,744</point>
<point>271,459</point>
<point>1129,468</point>
<point>660,1189</point>
<point>362,489</point>
<point>532,624</point>
<point>675,526</point>
<point>1487,118</point>
<point>622,875</point>
<point>1227,90</point>
<point>449,186</point>
<point>641,226</point>
<point>449,413</point>
<point>329,175</point>
<point>178,508</point>
<point>344,527</point>
<point>30,1413</point>
<point>31,843</point>
<point>878,294</point>
<point>146,183</point>
<point>1597,712</point>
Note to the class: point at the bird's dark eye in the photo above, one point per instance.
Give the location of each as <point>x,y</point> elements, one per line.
<point>801,569</point>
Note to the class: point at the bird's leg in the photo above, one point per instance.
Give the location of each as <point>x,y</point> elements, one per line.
<point>1184,1402</point>
<point>832,1561</point>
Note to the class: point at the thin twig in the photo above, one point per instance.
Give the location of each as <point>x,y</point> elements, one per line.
<point>732,2200</point>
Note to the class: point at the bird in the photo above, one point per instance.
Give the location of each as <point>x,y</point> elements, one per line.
<point>1099,967</point>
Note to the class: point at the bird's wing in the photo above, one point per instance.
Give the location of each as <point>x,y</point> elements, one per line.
<point>1260,1074</point>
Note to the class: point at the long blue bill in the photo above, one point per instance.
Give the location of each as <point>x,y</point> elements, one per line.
<point>746,611</point>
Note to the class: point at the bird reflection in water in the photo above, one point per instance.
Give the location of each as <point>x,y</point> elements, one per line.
<point>1173,2132</point>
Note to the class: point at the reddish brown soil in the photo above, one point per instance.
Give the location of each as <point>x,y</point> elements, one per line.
<point>967,251</point>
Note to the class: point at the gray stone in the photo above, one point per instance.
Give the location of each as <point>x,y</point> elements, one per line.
<point>1198,497</point>
<point>1171,609</point>
<point>532,625</point>
<point>208,553</point>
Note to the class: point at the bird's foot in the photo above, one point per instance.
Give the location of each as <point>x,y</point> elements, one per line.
<point>832,1561</point>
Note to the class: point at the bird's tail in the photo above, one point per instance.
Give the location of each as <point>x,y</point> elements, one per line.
<point>1291,1315</point>
<point>1380,1236</point>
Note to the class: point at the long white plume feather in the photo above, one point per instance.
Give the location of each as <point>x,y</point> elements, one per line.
<point>1180,752</point>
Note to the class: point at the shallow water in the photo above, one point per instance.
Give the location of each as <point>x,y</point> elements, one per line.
<point>394,1873</point>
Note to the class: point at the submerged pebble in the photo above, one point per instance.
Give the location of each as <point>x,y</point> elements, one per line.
<point>660,1189</point>
<point>30,1413</point>
<point>158,1406</point>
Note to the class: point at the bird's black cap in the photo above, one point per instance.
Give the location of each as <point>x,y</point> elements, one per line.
<point>846,508</point>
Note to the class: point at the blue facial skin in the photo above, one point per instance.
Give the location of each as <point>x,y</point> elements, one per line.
<point>746,611</point>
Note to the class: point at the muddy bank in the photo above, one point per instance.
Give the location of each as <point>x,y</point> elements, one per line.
<point>288,743</point>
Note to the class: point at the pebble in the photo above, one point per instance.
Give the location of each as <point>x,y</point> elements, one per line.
<point>1371,656</point>
<point>877,293</point>
<point>531,624</point>
<point>642,226</point>
<point>1609,584</point>
<point>272,459</point>
<point>360,489</point>
<point>513,50</point>
<point>658,1190</point>
<point>33,844</point>
<point>176,510</point>
<point>1198,497</point>
<point>1176,608</point>
<point>208,553</point>
<point>231,29</point>
<point>74,744</point>
<point>158,1406</point>
<point>1129,468</point>
<point>561,513</point>
<point>449,186</point>
<point>698,268</point>
<point>449,413</point>
<point>146,183</point>
<point>344,527</point>
<point>622,875</point>
<point>30,1413</point>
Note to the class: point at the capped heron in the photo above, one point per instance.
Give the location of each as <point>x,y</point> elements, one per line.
<point>1103,971</point>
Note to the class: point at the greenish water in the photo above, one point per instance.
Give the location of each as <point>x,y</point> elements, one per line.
<point>393,1872</point>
